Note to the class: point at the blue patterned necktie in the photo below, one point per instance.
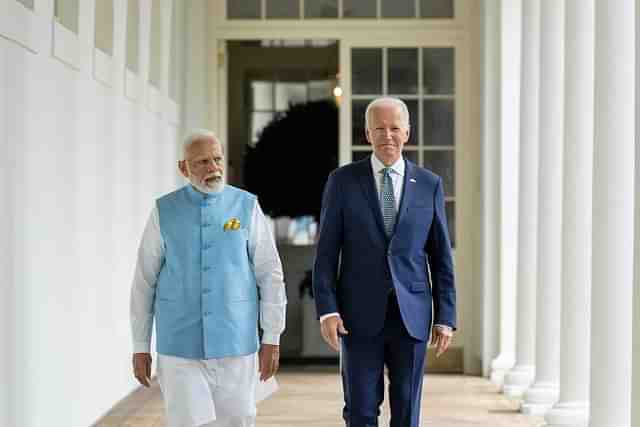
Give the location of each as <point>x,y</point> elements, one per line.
<point>388,202</point>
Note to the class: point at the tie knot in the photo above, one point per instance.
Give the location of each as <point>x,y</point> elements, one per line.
<point>386,171</point>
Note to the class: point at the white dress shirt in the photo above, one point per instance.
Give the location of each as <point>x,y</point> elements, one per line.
<point>397,179</point>
<point>263,255</point>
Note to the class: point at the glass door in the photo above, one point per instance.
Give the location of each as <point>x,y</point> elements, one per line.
<point>424,77</point>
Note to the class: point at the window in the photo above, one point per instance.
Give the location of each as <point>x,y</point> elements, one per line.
<point>66,13</point>
<point>155,52</point>
<point>133,37</point>
<point>424,78</point>
<point>271,98</point>
<point>333,9</point>
<point>104,26</point>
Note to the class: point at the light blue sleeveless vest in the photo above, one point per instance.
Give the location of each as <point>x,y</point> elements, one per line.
<point>206,302</point>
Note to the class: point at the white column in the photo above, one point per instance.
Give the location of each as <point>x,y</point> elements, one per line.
<point>6,249</point>
<point>613,222</point>
<point>573,406</point>
<point>635,398</point>
<point>521,376</point>
<point>490,180</point>
<point>510,24</point>
<point>543,394</point>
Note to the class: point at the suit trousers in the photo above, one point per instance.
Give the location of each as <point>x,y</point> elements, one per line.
<point>363,362</point>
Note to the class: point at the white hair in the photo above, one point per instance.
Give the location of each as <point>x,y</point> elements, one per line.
<point>387,100</point>
<point>197,134</point>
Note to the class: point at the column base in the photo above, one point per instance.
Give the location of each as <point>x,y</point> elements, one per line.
<point>540,398</point>
<point>568,414</point>
<point>499,368</point>
<point>518,380</point>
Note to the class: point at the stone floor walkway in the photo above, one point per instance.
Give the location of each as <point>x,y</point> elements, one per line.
<point>311,397</point>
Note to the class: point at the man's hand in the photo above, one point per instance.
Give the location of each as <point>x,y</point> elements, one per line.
<point>441,338</point>
<point>142,368</point>
<point>330,328</point>
<point>269,360</point>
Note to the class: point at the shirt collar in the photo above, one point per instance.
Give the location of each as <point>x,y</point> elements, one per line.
<point>377,166</point>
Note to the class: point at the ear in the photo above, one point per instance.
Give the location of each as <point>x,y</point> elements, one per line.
<point>182,166</point>
<point>368,136</point>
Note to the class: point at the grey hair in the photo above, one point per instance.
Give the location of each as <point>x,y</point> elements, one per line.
<point>387,100</point>
<point>196,134</point>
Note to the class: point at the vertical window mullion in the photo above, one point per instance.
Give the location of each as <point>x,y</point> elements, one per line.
<point>420,120</point>
<point>385,73</point>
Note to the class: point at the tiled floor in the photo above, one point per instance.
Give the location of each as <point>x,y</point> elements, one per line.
<point>311,397</point>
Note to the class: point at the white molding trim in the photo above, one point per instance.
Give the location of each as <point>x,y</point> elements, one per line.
<point>154,99</point>
<point>21,25</point>
<point>66,45</point>
<point>103,67</point>
<point>131,85</point>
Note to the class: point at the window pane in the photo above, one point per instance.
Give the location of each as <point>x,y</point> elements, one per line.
<point>27,3</point>
<point>156,43</point>
<point>66,12</point>
<point>104,26</point>
<point>398,9</point>
<point>451,221</point>
<point>366,71</point>
<point>360,155</point>
<point>358,107</point>
<point>244,9</point>
<point>441,162</point>
<point>359,8</point>
<point>320,89</point>
<point>438,71</point>
<point>133,12</point>
<point>411,155</point>
<point>258,122</point>
<point>288,94</point>
<point>403,71</point>
<point>262,95</point>
<point>321,9</point>
<point>283,9</point>
<point>436,8</point>
<point>412,105</point>
<point>438,120</point>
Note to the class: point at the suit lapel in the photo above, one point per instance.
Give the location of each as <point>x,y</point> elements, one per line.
<point>368,186</point>
<point>408,192</point>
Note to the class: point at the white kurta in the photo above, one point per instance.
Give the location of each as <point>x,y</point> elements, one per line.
<point>197,392</point>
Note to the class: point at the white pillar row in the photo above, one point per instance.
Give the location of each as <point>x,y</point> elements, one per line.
<point>613,222</point>
<point>572,408</point>
<point>521,376</point>
<point>490,179</point>
<point>510,35</point>
<point>544,392</point>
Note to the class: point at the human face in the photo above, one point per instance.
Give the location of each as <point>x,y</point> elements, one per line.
<point>387,133</point>
<point>203,165</point>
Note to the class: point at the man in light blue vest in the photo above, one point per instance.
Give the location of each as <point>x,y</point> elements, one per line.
<point>209,272</point>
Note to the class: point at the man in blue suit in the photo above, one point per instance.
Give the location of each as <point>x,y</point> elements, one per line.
<point>383,259</point>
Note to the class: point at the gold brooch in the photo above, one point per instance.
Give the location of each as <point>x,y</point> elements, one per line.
<point>232,224</point>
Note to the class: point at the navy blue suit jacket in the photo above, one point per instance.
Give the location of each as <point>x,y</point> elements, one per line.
<point>356,263</point>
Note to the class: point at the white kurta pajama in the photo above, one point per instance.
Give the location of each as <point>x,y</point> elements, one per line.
<point>216,392</point>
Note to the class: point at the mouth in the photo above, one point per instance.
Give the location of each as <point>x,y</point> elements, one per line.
<point>213,179</point>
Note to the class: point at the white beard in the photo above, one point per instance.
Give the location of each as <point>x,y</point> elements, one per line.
<point>214,187</point>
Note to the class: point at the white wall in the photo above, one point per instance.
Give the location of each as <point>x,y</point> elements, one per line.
<point>81,164</point>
